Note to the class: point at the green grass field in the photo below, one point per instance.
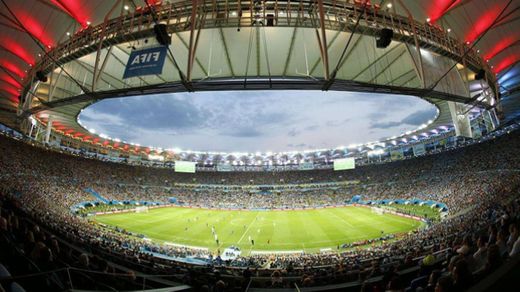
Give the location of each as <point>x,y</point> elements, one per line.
<point>421,211</point>
<point>307,230</point>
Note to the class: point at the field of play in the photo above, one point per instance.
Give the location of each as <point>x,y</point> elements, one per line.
<point>292,230</point>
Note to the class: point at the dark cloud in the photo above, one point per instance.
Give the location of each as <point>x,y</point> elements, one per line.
<point>156,112</point>
<point>333,123</point>
<point>244,132</point>
<point>419,117</point>
<point>300,145</point>
<point>414,119</point>
<point>385,125</point>
<point>293,132</point>
<point>311,128</point>
<point>377,115</point>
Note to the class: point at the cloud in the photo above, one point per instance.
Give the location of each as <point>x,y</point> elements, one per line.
<point>385,125</point>
<point>415,119</point>
<point>311,128</point>
<point>331,123</point>
<point>299,145</point>
<point>255,120</point>
<point>155,112</point>
<point>243,133</point>
<point>293,132</point>
<point>419,117</point>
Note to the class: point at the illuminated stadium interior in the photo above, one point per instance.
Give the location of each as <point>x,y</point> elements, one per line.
<point>257,145</point>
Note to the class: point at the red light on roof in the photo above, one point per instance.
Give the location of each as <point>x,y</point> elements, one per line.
<point>10,80</point>
<point>12,68</point>
<point>501,46</point>
<point>16,49</point>
<point>73,8</point>
<point>436,9</point>
<point>483,22</point>
<point>35,28</point>
<point>10,90</point>
<point>506,63</point>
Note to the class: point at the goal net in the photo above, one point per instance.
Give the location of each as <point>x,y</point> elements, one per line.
<point>378,211</point>
<point>142,209</point>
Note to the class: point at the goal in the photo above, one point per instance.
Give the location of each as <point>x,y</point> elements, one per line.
<point>378,211</point>
<point>142,209</point>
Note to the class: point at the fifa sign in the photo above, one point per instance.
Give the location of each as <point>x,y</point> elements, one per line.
<point>148,61</point>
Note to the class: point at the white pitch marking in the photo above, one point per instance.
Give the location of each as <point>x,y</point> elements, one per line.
<point>247,229</point>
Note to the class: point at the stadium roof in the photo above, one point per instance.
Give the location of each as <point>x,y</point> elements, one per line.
<point>33,29</point>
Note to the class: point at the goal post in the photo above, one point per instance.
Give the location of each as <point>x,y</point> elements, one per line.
<point>378,210</point>
<point>141,209</point>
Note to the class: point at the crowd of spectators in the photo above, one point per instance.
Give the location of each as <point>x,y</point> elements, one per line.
<point>479,184</point>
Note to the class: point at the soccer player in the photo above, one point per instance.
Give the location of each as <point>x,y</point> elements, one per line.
<point>252,242</point>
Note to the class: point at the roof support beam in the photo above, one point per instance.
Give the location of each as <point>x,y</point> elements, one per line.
<point>100,45</point>
<point>391,82</point>
<point>420,70</point>
<point>103,65</point>
<point>192,47</point>
<point>226,51</point>
<point>226,85</point>
<point>315,65</point>
<point>375,62</point>
<point>383,70</point>
<point>289,52</point>
<point>53,88</point>
<point>323,43</point>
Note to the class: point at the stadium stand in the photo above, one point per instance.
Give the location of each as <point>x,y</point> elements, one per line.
<point>479,183</point>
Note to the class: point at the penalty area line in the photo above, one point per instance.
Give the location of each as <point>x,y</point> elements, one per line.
<point>247,229</point>
<point>340,218</point>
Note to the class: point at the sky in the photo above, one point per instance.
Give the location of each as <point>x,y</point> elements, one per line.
<point>256,121</point>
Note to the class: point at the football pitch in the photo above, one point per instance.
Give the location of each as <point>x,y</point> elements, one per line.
<point>291,230</point>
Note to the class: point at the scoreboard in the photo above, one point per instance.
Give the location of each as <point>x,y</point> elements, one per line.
<point>185,166</point>
<point>344,163</point>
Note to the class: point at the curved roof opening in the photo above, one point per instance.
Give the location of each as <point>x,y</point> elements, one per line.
<point>249,121</point>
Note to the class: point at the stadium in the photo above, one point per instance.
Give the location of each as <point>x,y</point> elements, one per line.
<point>348,145</point>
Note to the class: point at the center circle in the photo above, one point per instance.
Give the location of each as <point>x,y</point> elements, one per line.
<point>249,121</point>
